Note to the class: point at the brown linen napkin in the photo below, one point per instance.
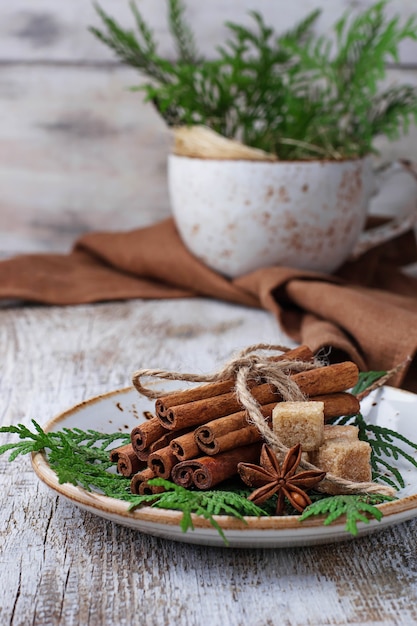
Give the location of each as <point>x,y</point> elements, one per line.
<point>367,312</point>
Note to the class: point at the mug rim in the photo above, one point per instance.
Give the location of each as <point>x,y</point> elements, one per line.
<point>173,155</point>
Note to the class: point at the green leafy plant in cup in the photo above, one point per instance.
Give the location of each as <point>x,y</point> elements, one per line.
<point>297,95</point>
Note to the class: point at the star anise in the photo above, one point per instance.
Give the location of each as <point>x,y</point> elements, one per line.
<point>271,478</point>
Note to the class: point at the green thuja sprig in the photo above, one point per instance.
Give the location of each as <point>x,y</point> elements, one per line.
<point>78,457</point>
<point>138,50</point>
<point>384,446</point>
<point>203,503</point>
<point>366,379</point>
<point>357,508</point>
<point>32,442</point>
<point>182,34</point>
<point>88,443</point>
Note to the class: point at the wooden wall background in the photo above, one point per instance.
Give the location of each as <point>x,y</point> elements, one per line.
<point>78,151</point>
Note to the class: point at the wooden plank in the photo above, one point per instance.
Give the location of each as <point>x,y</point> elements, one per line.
<point>60,565</point>
<point>52,31</point>
<point>79,152</point>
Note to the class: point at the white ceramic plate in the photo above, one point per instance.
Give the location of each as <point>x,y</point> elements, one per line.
<point>121,410</point>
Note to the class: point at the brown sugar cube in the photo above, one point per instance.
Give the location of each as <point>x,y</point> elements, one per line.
<point>344,457</point>
<point>333,432</point>
<point>299,422</point>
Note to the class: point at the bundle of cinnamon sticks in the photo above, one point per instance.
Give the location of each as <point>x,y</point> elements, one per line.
<point>197,437</point>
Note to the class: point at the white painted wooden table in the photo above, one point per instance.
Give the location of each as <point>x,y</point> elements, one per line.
<point>60,565</point>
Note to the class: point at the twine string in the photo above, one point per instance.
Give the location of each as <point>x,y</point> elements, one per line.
<point>258,367</point>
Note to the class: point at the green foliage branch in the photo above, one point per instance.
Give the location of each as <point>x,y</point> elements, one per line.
<point>206,504</point>
<point>298,95</point>
<point>359,508</point>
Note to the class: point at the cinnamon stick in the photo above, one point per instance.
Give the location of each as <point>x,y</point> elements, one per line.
<point>182,473</point>
<point>143,455</point>
<point>210,390</point>
<point>166,439</point>
<point>185,447</point>
<point>235,439</point>
<point>338,404</point>
<point>212,470</point>
<point>140,477</point>
<point>145,489</point>
<point>162,461</point>
<point>140,486</point>
<point>224,425</point>
<point>143,435</point>
<point>319,381</point>
<point>328,379</point>
<point>162,442</point>
<point>126,459</point>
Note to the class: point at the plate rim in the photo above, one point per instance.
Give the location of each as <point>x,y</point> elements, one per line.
<point>148,514</point>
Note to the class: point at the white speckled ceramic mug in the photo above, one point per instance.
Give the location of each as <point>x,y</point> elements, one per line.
<point>239,216</point>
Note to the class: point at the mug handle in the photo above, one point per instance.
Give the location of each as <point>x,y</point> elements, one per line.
<point>373,237</point>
